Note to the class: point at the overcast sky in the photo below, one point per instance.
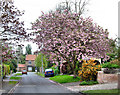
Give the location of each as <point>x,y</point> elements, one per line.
<point>103,12</point>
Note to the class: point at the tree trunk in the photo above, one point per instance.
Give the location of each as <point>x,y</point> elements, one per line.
<point>74,71</point>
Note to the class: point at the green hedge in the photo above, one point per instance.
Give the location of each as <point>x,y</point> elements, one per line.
<point>6,70</point>
<point>110,65</point>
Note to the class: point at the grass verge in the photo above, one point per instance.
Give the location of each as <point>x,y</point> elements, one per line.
<point>64,79</point>
<point>15,78</point>
<point>40,74</point>
<point>102,91</point>
<point>13,82</point>
<point>18,74</point>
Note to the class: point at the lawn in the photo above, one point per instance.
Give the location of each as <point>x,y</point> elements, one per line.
<point>64,79</point>
<point>18,74</point>
<point>40,74</point>
<point>15,78</point>
<point>114,91</point>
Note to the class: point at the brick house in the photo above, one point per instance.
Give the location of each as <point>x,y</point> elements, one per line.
<point>30,62</point>
<point>21,67</point>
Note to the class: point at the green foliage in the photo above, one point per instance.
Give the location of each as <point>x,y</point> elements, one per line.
<point>15,78</point>
<point>33,69</point>
<point>22,59</point>
<point>18,74</point>
<point>13,82</point>
<point>110,65</point>
<point>28,49</point>
<point>40,74</point>
<point>69,69</point>
<point>112,55</point>
<point>12,64</point>
<point>64,79</point>
<point>55,69</point>
<point>38,60</point>
<point>88,82</point>
<point>6,70</point>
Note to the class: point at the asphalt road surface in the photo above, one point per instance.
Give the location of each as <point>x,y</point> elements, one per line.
<point>33,83</point>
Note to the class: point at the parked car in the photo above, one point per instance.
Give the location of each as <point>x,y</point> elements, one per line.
<point>49,72</point>
<point>24,72</point>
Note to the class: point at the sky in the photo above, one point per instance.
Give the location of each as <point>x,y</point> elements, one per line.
<point>103,12</point>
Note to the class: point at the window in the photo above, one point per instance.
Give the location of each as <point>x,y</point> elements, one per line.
<point>29,62</point>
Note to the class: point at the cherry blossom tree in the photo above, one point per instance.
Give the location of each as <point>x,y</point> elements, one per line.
<point>10,24</point>
<point>11,30</point>
<point>66,37</point>
<point>7,54</point>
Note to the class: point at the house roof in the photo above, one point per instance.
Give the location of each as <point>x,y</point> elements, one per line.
<point>21,65</point>
<point>30,57</point>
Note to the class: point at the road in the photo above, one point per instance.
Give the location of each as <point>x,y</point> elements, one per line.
<point>33,83</point>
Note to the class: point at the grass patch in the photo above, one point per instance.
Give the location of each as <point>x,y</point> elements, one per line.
<point>88,82</point>
<point>102,91</point>
<point>13,82</point>
<point>64,79</point>
<point>40,74</point>
<point>15,78</point>
<point>18,74</point>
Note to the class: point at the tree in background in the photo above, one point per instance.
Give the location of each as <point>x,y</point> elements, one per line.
<point>41,58</point>
<point>28,49</point>
<point>74,6</point>
<point>70,38</point>
<point>11,29</point>
<point>20,55</point>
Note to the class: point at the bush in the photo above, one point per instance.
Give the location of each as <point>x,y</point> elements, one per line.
<point>110,65</point>
<point>88,82</point>
<point>55,69</point>
<point>89,70</point>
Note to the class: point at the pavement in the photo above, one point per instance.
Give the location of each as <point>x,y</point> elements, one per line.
<point>77,88</point>
<point>5,86</point>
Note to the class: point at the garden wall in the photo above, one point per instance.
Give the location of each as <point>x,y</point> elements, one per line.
<point>107,78</point>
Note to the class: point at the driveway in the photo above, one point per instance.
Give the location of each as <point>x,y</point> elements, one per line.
<point>32,83</point>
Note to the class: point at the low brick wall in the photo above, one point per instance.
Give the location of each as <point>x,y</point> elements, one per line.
<point>107,78</point>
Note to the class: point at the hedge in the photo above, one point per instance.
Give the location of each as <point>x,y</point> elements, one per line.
<point>6,70</point>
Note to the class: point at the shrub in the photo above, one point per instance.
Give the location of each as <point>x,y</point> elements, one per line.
<point>55,69</point>
<point>110,65</point>
<point>115,61</point>
<point>88,82</point>
<point>89,70</point>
